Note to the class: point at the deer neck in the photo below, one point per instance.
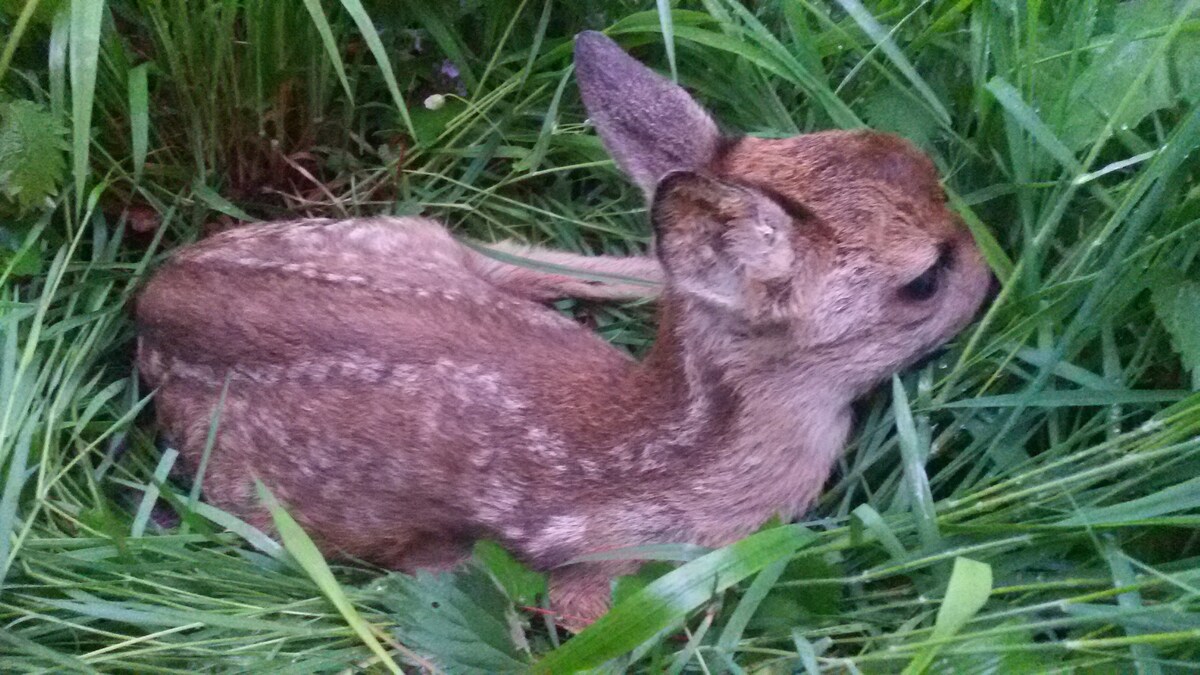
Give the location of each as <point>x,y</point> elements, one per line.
<point>753,422</point>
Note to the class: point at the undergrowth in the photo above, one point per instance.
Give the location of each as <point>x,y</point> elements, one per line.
<point>1029,501</point>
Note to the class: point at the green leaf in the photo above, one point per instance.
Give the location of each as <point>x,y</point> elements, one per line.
<point>970,585</point>
<point>1178,307</point>
<point>304,551</point>
<point>146,614</point>
<point>521,584</point>
<point>670,598</point>
<point>821,600</point>
<point>462,622</point>
<point>42,12</point>
<point>430,120</point>
<point>1097,92</point>
<point>241,528</point>
<point>32,142</point>
<point>992,252</point>
<point>890,109</point>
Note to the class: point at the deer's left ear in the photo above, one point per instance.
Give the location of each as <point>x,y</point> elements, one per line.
<point>651,126</point>
<point>726,244</point>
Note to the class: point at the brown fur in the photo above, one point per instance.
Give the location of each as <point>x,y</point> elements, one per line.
<point>405,397</point>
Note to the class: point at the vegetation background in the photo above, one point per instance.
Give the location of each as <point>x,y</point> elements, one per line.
<point>1030,501</point>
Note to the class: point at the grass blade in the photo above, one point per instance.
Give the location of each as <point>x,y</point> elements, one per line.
<point>762,584</point>
<point>216,202</point>
<point>14,38</point>
<point>139,118</point>
<point>442,34</point>
<point>883,39</point>
<point>869,518</point>
<point>671,597</point>
<point>533,160</point>
<point>692,648</point>
<point>14,482</point>
<point>806,652</point>
<point>241,528</point>
<point>331,49</point>
<point>86,17</point>
<point>1144,655</point>
<point>150,495</point>
<point>1012,102</point>
<point>914,467</point>
<point>304,551</point>
<point>668,31</point>
<point>56,59</point>
<point>64,663</point>
<point>1182,496</point>
<point>969,588</point>
<point>366,27</point>
<point>997,259</point>
<point>1070,399</point>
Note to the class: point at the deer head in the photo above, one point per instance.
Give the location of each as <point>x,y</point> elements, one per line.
<point>841,240</point>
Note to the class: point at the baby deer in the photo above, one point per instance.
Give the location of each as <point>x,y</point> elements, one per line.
<point>404,397</point>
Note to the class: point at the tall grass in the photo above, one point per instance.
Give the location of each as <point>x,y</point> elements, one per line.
<point>1030,501</point>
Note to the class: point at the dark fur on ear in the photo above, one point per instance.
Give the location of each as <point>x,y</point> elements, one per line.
<point>650,125</point>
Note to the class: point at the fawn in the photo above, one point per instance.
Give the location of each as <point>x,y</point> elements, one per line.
<point>404,396</point>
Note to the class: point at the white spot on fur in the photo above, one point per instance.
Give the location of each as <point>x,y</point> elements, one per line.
<point>501,503</point>
<point>561,531</point>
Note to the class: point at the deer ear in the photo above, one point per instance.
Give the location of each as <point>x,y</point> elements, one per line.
<point>726,244</point>
<point>649,125</point>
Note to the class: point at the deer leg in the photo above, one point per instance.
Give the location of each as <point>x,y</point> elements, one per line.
<point>544,275</point>
<point>579,595</point>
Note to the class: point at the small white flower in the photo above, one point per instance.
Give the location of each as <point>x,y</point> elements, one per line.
<point>435,101</point>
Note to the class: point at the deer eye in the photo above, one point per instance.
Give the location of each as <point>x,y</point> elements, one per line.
<point>926,285</point>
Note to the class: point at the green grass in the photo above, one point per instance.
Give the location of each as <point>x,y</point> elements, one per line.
<point>1030,501</point>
